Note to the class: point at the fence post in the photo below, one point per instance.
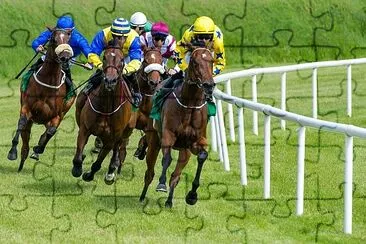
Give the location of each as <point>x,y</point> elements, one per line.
<point>348,179</point>
<point>349,90</point>
<point>300,170</point>
<point>255,113</point>
<point>283,98</point>
<point>315,93</point>
<point>243,163</point>
<point>223,136</point>
<point>267,156</point>
<point>230,111</point>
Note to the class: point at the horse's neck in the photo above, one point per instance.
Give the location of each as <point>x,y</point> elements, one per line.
<point>50,69</point>
<point>109,100</point>
<point>191,95</point>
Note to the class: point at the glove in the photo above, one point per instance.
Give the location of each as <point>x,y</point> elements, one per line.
<point>40,48</point>
<point>124,71</point>
<point>99,66</point>
<point>88,66</point>
<point>172,71</point>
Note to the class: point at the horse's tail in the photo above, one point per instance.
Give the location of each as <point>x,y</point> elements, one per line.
<point>41,110</point>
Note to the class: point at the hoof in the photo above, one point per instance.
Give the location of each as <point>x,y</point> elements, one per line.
<point>161,188</point>
<point>76,171</point>
<point>168,204</point>
<point>88,176</point>
<point>13,155</point>
<point>140,154</point>
<point>191,198</point>
<point>34,156</point>
<point>21,166</point>
<point>109,179</point>
<point>142,198</point>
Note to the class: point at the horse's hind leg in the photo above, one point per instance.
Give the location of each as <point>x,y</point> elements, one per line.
<point>113,165</point>
<point>13,153</point>
<point>151,156</point>
<point>183,159</point>
<point>191,197</point>
<point>166,161</point>
<point>25,146</point>
<point>43,140</point>
<point>89,176</point>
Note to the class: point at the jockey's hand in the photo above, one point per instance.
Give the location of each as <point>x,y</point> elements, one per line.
<point>124,72</point>
<point>172,71</point>
<point>99,66</point>
<point>40,48</point>
<point>88,66</point>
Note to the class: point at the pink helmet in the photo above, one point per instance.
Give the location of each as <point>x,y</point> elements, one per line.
<point>160,28</point>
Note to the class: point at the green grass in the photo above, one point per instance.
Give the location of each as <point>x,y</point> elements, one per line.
<point>44,203</point>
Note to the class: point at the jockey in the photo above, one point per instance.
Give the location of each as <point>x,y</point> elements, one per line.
<point>139,23</point>
<point>202,33</point>
<point>160,38</point>
<point>131,50</point>
<point>77,42</point>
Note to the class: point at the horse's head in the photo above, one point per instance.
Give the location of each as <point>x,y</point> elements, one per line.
<point>112,66</point>
<point>59,40</point>
<point>199,70</point>
<point>152,68</point>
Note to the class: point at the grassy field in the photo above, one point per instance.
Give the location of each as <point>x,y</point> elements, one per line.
<point>44,203</point>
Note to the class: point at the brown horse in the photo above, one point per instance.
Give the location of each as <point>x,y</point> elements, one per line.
<point>148,77</point>
<point>43,101</point>
<point>183,125</point>
<point>105,113</point>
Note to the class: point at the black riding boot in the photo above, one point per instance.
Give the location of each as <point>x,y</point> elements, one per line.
<point>135,93</point>
<point>170,82</point>
<point>68,80</point>
<point>36,65</point>
<point>93,82</point>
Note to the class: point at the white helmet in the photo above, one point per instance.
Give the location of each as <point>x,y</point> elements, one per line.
<point>138,19</point>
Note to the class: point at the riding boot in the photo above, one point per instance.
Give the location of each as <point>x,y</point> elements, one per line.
<point>170,82</point>
<point>68,81</point>
<point>36,65</point>
<point>133,86</point>
<point>93,81</point>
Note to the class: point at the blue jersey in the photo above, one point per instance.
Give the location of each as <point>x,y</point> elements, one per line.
<point>77,42</point>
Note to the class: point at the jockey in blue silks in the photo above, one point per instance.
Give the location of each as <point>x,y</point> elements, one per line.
<point>78,43</point>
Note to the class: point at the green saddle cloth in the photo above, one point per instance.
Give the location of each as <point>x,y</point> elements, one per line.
<point>160,97</point>
<point>70,90</point>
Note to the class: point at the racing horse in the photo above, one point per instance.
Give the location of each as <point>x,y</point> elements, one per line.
<point>148,77</point>
<point>184,117</point>
<point>105,113</point>
<point>44,100</point>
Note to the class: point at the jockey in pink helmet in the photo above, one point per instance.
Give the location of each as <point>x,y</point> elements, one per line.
<point>159,37</point>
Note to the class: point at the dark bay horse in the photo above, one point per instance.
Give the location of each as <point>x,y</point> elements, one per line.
<point>105,113</point>
<point>148,77</point>
<point>183,124</point>
<point>43,100</point>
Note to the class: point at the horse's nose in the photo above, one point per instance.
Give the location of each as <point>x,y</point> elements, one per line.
<point>63,59</point>
<point>152,83</point>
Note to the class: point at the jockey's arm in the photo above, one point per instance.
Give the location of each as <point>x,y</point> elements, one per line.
<point>135,55</point>
<point>219,55</point>
<point>41,39</point>
<point>82,43</point>
<point>97,46</point>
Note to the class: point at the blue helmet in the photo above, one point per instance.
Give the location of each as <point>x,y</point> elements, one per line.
<point>65,22</point>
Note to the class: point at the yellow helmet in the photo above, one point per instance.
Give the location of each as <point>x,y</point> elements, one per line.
<point>203,25</point>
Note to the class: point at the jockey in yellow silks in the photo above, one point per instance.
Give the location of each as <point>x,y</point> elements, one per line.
<point>131,51</point>
<point>202,33</point>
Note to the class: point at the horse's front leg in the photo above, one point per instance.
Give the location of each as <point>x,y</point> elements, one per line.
<point>82,140</point>
<point>113,165</point>
<point>191,197</point>
<point>22,122</point>
<point>51,129</point>
<point>183,159</point>
<point>89,176</point>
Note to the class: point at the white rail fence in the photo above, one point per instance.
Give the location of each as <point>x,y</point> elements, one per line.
<point>218,132</point>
